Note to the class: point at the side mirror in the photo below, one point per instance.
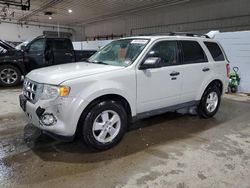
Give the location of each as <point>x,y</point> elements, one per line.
<point>23,48</point>
<point>151,63</point>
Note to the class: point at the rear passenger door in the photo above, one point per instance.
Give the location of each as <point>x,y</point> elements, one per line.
<point>220,61</point>
<point>196,69</point>
<point>63,51</point>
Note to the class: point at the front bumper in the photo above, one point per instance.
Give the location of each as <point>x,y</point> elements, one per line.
<point>62,111</point>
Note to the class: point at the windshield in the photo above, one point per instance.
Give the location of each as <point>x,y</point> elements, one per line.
<point>119,53</point>
<point>6,44</point>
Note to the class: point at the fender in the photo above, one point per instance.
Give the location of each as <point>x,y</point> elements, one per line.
<point>96,90</point>
<point>14,58</point>
<point>205,85</point>
<point>18,66</point>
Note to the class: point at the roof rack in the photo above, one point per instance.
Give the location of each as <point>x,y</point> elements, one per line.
<point>189,34</point>
<point>183,34</point>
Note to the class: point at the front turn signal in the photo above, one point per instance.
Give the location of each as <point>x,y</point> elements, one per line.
<point>64,91</point>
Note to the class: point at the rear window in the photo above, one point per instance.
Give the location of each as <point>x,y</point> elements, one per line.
<point>62,44</point>
<point>215,51</point>
<point>192,52</point>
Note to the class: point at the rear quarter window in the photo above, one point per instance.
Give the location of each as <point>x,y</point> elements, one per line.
<point>193,52</point>
<point>215,51</point>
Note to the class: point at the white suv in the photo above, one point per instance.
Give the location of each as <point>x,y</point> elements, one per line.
<point>129,79</point>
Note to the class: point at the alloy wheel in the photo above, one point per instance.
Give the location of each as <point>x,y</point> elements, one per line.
<point>8,76</point>
<point>106,126</point>
<point>212,101</point>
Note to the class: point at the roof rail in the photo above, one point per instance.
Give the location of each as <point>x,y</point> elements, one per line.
<point>183,34</point>
<point>189,34</point>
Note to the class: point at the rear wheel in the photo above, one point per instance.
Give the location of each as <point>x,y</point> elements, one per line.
<point>104,125</point>
<point>9,76</point>
<point>210,102</point>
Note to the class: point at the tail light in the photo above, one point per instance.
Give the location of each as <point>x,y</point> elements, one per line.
<point>228,70</point>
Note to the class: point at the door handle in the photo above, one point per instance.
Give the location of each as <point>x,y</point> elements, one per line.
<point>174,73</point>
<point>205,69</point>
<point>68,54</point>
<point>38,54</point>
<point>173,78</point>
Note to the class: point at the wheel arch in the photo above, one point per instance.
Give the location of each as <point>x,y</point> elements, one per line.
<point>216,82</point>
<point>14,65</point>
<point>116,97</point>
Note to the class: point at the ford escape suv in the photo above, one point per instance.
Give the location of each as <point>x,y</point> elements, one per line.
<point>129,79</point>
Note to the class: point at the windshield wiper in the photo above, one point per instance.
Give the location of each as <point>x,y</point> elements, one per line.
<point>98,62</point>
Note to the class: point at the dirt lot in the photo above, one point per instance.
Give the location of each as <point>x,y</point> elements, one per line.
<point>170,150</point>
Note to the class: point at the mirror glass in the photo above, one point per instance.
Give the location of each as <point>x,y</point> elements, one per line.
<point>23,48</point>
<point>151,62</point>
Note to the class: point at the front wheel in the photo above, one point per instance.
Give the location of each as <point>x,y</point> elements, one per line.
<point>210,102</point>
<point>104,125</point>
<point>9,76</point>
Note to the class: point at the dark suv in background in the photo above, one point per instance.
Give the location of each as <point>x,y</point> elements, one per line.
<point>40,52</point>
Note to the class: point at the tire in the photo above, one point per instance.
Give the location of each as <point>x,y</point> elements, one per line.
<point>98,123</point>
<point>9,76</point>
<point>234,89</point>
<point>208,108</point>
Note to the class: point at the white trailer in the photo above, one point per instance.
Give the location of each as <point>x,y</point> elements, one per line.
<point>90,45</point>
<point>237,48</point>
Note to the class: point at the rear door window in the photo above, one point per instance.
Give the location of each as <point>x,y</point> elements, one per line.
<point>215,51</point>
<point>193,52</point>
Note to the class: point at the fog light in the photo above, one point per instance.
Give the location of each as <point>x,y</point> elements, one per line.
<point>48,119</point>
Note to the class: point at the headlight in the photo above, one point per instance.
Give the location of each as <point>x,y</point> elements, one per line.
<point>52,92</point>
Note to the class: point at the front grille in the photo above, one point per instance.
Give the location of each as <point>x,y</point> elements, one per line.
<point>31,90</point>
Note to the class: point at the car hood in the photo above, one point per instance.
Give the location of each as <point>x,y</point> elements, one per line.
<point>60,73</point>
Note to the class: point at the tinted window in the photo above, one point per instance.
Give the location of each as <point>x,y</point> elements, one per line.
<point>167,51</point>
<point>37,45</point>
<point>215,51</point>
<point>62,45</point>
<point>192,52</point>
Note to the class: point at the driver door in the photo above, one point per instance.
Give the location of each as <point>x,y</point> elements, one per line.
<point>34,55</point>
<point>160,87</point>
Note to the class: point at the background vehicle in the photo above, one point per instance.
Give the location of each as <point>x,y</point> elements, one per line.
<point>11,65</point>
<point>129,79</point>
<point>234,80</point>
<point>40,52</point>
<point>20,46</point>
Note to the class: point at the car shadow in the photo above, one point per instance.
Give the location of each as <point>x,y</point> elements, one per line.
<point>18,87</point>
<point>141,135</point>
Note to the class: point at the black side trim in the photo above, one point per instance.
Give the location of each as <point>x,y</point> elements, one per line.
<point>59,137</point>
<point>164,110</point>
